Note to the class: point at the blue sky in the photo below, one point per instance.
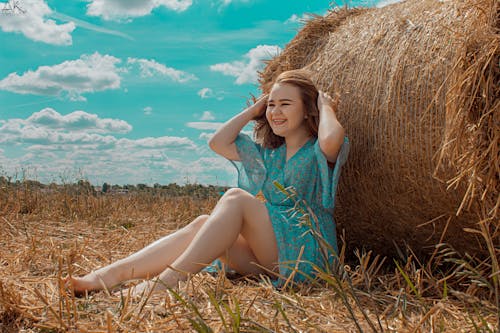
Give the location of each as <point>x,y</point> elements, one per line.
<point>128,92</point>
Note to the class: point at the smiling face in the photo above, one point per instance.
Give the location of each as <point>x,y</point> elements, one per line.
<point>285,110</point>
<point>292,96</point>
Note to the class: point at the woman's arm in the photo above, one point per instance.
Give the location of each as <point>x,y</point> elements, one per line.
<point>223,140</point>
<point>330,131</point>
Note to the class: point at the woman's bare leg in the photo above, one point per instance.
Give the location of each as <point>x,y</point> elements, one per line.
<point>241,258</point>
<point>237,213</point>
<point>146,263</point>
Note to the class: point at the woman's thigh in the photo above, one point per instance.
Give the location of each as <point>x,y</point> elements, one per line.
<point>241,258</point>
<point>257,231</point>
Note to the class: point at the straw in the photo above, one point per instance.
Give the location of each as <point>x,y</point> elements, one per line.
<point>420,102</point>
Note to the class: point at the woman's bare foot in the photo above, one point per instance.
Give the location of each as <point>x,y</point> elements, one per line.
<point>81,285</point>
<point>140,290</point>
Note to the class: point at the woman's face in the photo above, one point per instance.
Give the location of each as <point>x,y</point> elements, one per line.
<point>285,110</point>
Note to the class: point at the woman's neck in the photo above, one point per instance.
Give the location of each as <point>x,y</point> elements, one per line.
<point>297,140</point>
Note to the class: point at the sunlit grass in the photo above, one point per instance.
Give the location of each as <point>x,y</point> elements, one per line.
<point>63,232</point>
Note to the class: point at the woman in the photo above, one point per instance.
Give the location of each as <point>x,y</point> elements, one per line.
<point>299,140</point>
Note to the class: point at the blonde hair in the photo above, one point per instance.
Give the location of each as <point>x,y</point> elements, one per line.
<point>299,78</point>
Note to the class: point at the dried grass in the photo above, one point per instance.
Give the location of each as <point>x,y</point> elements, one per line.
<point>420,98</point>
<point>420,91</point>
<point>40,247</point>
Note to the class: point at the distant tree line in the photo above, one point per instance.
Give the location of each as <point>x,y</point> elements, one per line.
<point>84,187</point>
<point>172,189</point>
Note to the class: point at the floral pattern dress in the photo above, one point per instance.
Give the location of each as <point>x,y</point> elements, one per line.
<point>314,183</point>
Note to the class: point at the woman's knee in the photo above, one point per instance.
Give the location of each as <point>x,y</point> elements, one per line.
<point>198,222</point>
<point>236,194</point>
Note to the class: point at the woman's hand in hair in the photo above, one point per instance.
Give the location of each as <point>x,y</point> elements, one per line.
<point>260,106</point>
<point>325,100</point>
<point>330,131</point>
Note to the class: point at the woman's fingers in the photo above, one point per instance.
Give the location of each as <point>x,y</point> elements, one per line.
<point>261,104</point>
<point>325,98</point>
<point>325,95</point>
<point>262,99</point>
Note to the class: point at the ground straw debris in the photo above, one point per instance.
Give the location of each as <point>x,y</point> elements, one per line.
<point>363,292</point>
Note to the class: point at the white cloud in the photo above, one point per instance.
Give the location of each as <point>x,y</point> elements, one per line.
<point>123,163</point>
<point>54,146</point>
<point>207,115</point>
<point>158,142</point>
<point>206,136</point>
<point>298,19</point>
<point>126,162</point>
<point>209,93</point>
<point>119,9</point>
<point>384,3</point>
<point>50,127</point>
<point>29,17</point>
<point>43,136</point>
<point>148,110</point>
<point>205,93</point>
<point>228,2</point>
<point>246,70</point>
<point>207,163</point>
<point>55,131</point>
<point>151,68</point>
<point>248,132</point>
<point>89,74</point>
<point>78,120</point>
<point>86,25</point>
<point>204,126</point>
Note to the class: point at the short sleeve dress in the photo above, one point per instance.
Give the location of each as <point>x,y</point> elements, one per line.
<point>314,184</point>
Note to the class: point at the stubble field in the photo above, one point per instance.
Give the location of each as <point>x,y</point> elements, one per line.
<point>45,235</point>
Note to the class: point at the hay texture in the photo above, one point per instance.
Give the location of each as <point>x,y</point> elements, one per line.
<point>419,85</point>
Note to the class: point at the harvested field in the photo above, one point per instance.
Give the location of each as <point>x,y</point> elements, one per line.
<point>45,236</point>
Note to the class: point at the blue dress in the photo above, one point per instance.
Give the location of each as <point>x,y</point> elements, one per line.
<point>314,183</point>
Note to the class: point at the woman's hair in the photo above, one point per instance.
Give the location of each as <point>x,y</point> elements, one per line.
<point>309,94</point>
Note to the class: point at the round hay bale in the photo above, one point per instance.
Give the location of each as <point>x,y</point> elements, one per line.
<point>420,101</point>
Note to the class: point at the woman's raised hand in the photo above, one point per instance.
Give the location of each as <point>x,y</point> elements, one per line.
<point>324,99</point>
<point>260,106</point>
